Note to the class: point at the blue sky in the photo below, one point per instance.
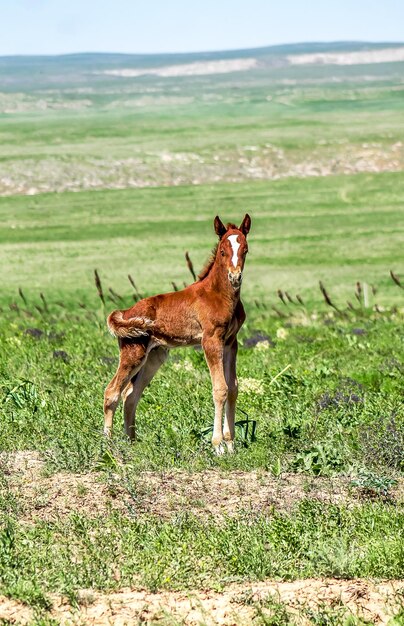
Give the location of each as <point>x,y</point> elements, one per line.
<point>63,26</point>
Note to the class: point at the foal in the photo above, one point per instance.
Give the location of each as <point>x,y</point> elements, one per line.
<point>208,312</point>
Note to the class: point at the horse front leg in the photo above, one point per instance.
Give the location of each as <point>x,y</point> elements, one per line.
<point>229,362</point>
<point>213,349</point>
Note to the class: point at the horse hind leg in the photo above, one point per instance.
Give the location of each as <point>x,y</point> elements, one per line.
<point>133,391</point>
<point>129,407</point>
<point>131,360</point>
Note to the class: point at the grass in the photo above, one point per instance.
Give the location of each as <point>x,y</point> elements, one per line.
<point>321,385</point>
<point>342,383</point>
<point>336,229</point>
<point>268,123</point>
<point>184,553</point>
<point>336,411</point>
<point>325,390</point>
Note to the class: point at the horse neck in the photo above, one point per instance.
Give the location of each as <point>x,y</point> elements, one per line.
<point>218,281</point>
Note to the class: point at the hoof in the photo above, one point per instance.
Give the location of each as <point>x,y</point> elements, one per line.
<point>107,432</point>
<point>219,449</point>
<point>230,447</point>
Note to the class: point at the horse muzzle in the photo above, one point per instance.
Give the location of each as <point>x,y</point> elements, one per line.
<point>235,279</point>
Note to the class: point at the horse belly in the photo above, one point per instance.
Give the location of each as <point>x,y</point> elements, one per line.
<point>178,332</point>
<point>176,323</point>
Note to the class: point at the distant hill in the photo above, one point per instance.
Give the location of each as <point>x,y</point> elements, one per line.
<point>113,58</point>
<point>33,72</point>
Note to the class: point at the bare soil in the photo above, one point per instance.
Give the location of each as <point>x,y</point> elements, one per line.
<point>29,176</point>
<point>205,494</point>
<point>210,493</point>
<point>375,602</point>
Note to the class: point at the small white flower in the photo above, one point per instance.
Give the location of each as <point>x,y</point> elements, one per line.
<point>282,333</point>
<point>262,345</point>
<point>251,385</point>
<point>186,366</point>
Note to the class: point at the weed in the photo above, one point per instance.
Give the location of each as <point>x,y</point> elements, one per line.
<point>324,615</point>
<point>382,442</point>
<point>322,459</point>
<point>372,484</point>
<point>272,612</point>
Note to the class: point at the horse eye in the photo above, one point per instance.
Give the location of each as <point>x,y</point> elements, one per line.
<point>222,252</point>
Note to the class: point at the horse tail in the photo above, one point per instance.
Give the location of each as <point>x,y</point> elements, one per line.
<point>131,327</point>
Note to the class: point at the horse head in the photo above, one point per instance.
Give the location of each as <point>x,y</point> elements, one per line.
<point>232,248</point>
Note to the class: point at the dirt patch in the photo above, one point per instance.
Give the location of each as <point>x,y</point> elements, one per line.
<point>53,173</point>
<point>237,604</point>
<point>211,493</point>
<point>50,497</point>
<point>206,494</point>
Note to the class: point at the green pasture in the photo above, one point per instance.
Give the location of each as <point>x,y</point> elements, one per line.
<point>325,394</point>
<point>309,119</point>
<point>336,229</point>
<point>321,385</point>
<point>82,130</point>
<point>204,144</point>
<point>316,541</point>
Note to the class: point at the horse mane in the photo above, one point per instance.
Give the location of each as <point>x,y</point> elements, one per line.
<point>209,263</point>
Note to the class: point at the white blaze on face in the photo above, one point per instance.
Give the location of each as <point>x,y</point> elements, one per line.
<point>235,246</point>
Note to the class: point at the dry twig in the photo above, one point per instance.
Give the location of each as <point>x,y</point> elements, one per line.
<point>99,286</point>
<point>190,265</point>
<point>327,297</point>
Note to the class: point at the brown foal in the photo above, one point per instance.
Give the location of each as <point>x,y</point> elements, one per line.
<point>208,312</point>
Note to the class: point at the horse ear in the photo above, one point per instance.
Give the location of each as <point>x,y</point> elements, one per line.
<point>220,228</point>
<point>245,225</point>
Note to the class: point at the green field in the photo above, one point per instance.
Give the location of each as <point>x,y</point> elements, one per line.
<point>336,229</point>
<point>123,176</point>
